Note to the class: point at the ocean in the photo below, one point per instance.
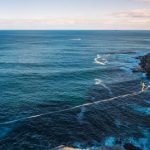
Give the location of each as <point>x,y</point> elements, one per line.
<point>72,88</point>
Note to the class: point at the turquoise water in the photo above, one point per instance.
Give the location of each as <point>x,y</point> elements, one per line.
<point>49,71</point>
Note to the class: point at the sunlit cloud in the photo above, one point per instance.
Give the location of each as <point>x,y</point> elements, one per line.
<point>50,24</point>
<point>133,19</point>
<point>138,13</point>
<point>75,14</point>
<point>142,0</point>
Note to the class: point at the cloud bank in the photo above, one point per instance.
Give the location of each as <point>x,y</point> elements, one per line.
<point>133,19</point>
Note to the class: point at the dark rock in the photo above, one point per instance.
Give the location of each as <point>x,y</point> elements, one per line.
<point>139,69</point>
<point>129,146</point>
<point>116,147</point>
<point>138,57</point>
<point>64,148</point>
<point>144,65</point>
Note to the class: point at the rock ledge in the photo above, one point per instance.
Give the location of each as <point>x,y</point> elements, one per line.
<point>144,65</point>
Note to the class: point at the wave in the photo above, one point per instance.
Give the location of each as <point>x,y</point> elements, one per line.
<point>147,101</point>
<point>100,82</point>
<point>61,73</point>
<point>141,142</point>
<point>100,60</point>
<point>77,39</point>
<point>138,142</point>
<point>120,52</point>
<point>71,108</point>
<point>143,110</point>
<point>97,81</point>
<point>110,141</point>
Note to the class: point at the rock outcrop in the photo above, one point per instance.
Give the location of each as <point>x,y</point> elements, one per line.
<point>116,147</point>
<point>129,146</point>
<point>64,148</point>
<point>144,65</point>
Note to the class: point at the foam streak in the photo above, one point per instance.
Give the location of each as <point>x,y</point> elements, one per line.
<point>72,108</point>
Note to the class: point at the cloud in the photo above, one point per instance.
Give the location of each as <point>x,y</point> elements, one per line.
<point>137,13</point>
<point>50,23</point>
<point>142,0</point>
<point>57,22</point>
<point>133,19</point>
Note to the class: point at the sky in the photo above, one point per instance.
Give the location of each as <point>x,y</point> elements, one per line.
<point>75,14</point>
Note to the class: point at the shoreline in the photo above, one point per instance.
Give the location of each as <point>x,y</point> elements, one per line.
<point>144,65</point>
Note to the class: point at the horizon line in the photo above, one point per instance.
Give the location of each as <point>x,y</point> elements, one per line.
<point>74,29</point>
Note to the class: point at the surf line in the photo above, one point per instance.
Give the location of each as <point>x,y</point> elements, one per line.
<point>72,108</point>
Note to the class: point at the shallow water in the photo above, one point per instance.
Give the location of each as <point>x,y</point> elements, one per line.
<point>49,71</point>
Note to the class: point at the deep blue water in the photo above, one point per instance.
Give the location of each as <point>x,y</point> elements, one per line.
<point>48,71</point>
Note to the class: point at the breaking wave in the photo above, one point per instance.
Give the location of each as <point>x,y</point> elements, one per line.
<point>100,82</point>
<point>100,60</point>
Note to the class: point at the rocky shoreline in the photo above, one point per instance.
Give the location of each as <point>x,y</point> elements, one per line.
<point>127,146</point>
<point>144,65</point>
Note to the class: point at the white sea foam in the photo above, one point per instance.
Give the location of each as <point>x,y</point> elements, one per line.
<point>97,81</point>
<point>100,60</point>
<point>100,82</point>
<point>77,39</point>
<point>72,108</point>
